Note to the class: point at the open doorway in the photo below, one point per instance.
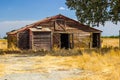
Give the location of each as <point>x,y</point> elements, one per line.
<point>65,42</point>
<point>96,40</point>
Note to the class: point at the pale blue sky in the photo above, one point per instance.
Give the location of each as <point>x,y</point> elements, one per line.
<point>18,13</point>
<point>32,9</point>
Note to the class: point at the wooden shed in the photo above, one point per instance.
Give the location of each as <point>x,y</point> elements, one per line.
<point>59,31</point>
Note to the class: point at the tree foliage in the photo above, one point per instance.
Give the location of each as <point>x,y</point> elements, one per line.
<point>95,12</point>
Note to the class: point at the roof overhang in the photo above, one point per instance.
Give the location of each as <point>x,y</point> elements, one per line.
<point>40,30</point>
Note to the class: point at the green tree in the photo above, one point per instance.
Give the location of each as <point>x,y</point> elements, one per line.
<point>5,37</point>
<point>95,12</point>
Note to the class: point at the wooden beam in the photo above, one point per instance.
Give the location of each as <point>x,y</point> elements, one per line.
<point>17,40</point>
<point>91,41</point>
<point>72,40</point>
<point>51,41</point>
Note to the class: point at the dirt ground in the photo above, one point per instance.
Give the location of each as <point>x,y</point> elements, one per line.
<point>24,67</point>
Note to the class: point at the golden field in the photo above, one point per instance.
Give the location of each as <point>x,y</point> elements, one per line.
<point>97,67</point>
<point>3,44</point>
<point>93,65</point>
<point>110,42</point>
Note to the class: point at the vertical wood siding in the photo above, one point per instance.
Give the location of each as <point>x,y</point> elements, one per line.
<point>41,40</point>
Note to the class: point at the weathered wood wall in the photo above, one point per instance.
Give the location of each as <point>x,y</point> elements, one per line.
<point>23,40</point>
<point>82,40</point>
<point>41,40</point>
<point>56,40</point>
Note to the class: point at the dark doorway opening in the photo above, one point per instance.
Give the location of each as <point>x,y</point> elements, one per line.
<point>96,40</point>
<point>65,42</point>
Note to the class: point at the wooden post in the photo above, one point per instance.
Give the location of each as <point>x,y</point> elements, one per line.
<point>54,25</point>
<point>51,40</point>
<point>91,40</point>
<point>31,39</point>
<point>17,35</point>
<point>72,40</point>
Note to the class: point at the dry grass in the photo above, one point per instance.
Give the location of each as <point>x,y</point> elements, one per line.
<point>94,66</point>
<point>3,44</point>
<point>110,42</point>
<point>2,69</point>
<point>97,67</point>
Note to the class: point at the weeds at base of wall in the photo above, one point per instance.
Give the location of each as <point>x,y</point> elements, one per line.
<point>58,51</point>
<point>65,52</point>
<point>61,52</point>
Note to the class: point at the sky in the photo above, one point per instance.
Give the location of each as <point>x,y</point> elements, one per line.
<point>15,14</point>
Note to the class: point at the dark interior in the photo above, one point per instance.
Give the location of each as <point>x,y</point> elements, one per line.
<point>65,41</point>
<point>96,40</point>
<point>23,42</point>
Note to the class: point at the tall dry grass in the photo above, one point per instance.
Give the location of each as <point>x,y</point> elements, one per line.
<point>110,42</point>
<point>3,44</point>
<point>97,66</point>
<point>94,66</point>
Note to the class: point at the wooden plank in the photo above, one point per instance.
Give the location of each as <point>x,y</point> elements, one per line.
<point>72,41</point>
<point>42,40</point>
<point>60,25</point>
<point>56,39</point>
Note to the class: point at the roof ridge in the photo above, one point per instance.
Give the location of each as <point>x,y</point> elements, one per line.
<point>46,20</point>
